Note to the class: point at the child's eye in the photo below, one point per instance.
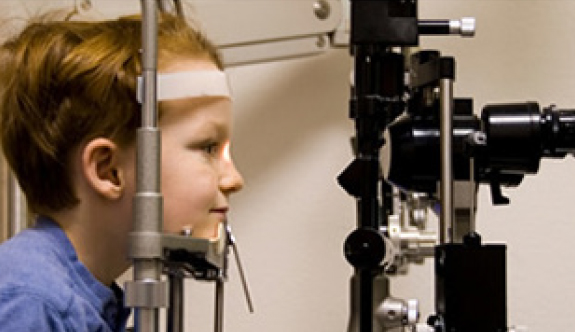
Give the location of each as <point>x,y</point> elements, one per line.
<point>211,148</point>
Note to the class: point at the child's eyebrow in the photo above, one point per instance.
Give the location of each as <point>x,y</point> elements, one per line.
<point>222,130</point>
<point>189,102</point>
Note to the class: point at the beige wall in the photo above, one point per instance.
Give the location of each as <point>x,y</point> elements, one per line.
<point>292,140</point>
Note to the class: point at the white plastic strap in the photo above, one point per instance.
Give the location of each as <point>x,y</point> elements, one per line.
<point>189,84</point>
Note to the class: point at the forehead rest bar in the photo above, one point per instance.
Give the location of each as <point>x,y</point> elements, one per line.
<point>189,84</point>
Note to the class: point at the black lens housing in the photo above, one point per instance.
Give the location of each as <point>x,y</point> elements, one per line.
<point>516,138</point>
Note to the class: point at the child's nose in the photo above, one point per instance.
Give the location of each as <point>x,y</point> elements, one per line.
<point>231,181</point>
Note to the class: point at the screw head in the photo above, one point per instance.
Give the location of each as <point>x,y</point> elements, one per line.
<point>321,9</point>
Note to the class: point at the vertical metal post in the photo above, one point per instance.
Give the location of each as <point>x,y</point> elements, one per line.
<point>446,147</point>
<point>149,62</point>
<point>147,293</point>
<point>17,211</point>
<point>473,196</point>
<point>175,315</point>
<point>14,215</point>
<point>368,131</point>
<point>219,306</point>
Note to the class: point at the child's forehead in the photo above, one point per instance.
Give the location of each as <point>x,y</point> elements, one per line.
<point>216,109</point>
<point>192,117</point>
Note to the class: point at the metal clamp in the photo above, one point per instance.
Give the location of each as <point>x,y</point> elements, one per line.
<point>148,293</point>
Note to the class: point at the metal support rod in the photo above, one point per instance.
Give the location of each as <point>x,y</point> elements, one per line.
<point>146,247</point>
<point>219,306</point>
<point>464,27</point>
<point>234,248</point>
<point>149,62</point>
<point>175,315</point>
<point>17,213</point>
<point>446,148</point>
<point>368,136</point>
<point>473,196</point>
<point>14,213</point>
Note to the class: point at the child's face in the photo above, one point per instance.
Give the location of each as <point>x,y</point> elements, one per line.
<point>198,173</point>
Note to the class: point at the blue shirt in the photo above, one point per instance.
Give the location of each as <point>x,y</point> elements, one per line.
<point>44,287</point>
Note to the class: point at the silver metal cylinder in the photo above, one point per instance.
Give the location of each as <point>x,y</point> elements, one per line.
<point>146,320</point>
<point>446,148</point>
<point>464,27</point>
<point>149,62</point>
<point>146,315</point>
<point>147,203</point>
<point>13,209</point>
<point>17,210</point>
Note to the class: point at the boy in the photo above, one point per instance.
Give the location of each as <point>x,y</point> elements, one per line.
<point>68,116</point>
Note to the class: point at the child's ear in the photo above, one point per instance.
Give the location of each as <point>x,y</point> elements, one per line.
<point>100,166</point>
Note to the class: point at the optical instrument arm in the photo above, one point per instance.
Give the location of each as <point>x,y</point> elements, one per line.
<point>246,31</point>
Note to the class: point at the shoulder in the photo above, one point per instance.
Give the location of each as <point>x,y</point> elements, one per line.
<point>23,309</point>
<point>35,291</point>
<point>31,267</point>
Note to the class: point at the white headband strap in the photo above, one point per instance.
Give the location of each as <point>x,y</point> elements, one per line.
<point>189,84</point>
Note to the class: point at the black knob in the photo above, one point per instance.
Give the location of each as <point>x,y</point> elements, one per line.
<point>365,248</point>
